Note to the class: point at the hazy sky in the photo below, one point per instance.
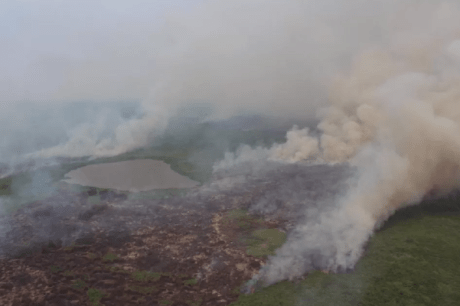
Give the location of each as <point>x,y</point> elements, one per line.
<point>42,39</point>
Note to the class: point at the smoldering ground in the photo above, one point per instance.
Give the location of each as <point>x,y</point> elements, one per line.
<point>381,76</point>
<point>278,191</point>
<point>388,119</point>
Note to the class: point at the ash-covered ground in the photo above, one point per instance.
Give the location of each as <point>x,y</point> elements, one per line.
<point>276,191</point>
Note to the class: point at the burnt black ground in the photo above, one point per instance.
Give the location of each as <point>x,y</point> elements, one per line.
<point>284,192</point>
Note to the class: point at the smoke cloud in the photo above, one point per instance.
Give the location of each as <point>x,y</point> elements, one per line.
<point>395,118</point>
<point>383,78</point>
<point>263,57</point>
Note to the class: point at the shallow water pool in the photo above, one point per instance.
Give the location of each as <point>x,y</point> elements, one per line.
<point>133,175</point>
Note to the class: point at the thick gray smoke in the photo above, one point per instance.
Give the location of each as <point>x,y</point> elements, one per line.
<point>268,57</point>
<point>383,77</point>
<point>395,117</point>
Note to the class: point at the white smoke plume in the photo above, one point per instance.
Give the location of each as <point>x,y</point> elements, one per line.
<point>86,140</point>
<point>269,57</point>
<point>382,76</point>
<point>395,117</point>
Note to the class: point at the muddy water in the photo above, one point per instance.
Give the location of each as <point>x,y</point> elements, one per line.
<point>133,175</point>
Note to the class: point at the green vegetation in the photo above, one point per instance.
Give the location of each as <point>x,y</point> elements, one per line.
<point>243,220</point>
<point>74,247</point>
<point>264,242</point>
<point>259,240</point>
<point>79,284</point>
<point>55,269</point>
<point>416,262</point>
<point>114,269</point>
<point>68,273</point>
<point>145,276</point>
<point>95,296</point>
<point>413,260</point>
<point>70,248</point>
<point>191,282</point>
<point>238,214</point>
<point>110,257</point>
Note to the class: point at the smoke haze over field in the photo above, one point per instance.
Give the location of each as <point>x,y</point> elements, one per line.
<point>395,117</point>
<point>383,78</point>
<point>269,57</point>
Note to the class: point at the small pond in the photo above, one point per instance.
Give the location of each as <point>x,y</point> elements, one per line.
<point>133,175</point>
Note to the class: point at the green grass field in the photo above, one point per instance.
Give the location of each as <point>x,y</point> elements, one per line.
<point>413,260</point>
